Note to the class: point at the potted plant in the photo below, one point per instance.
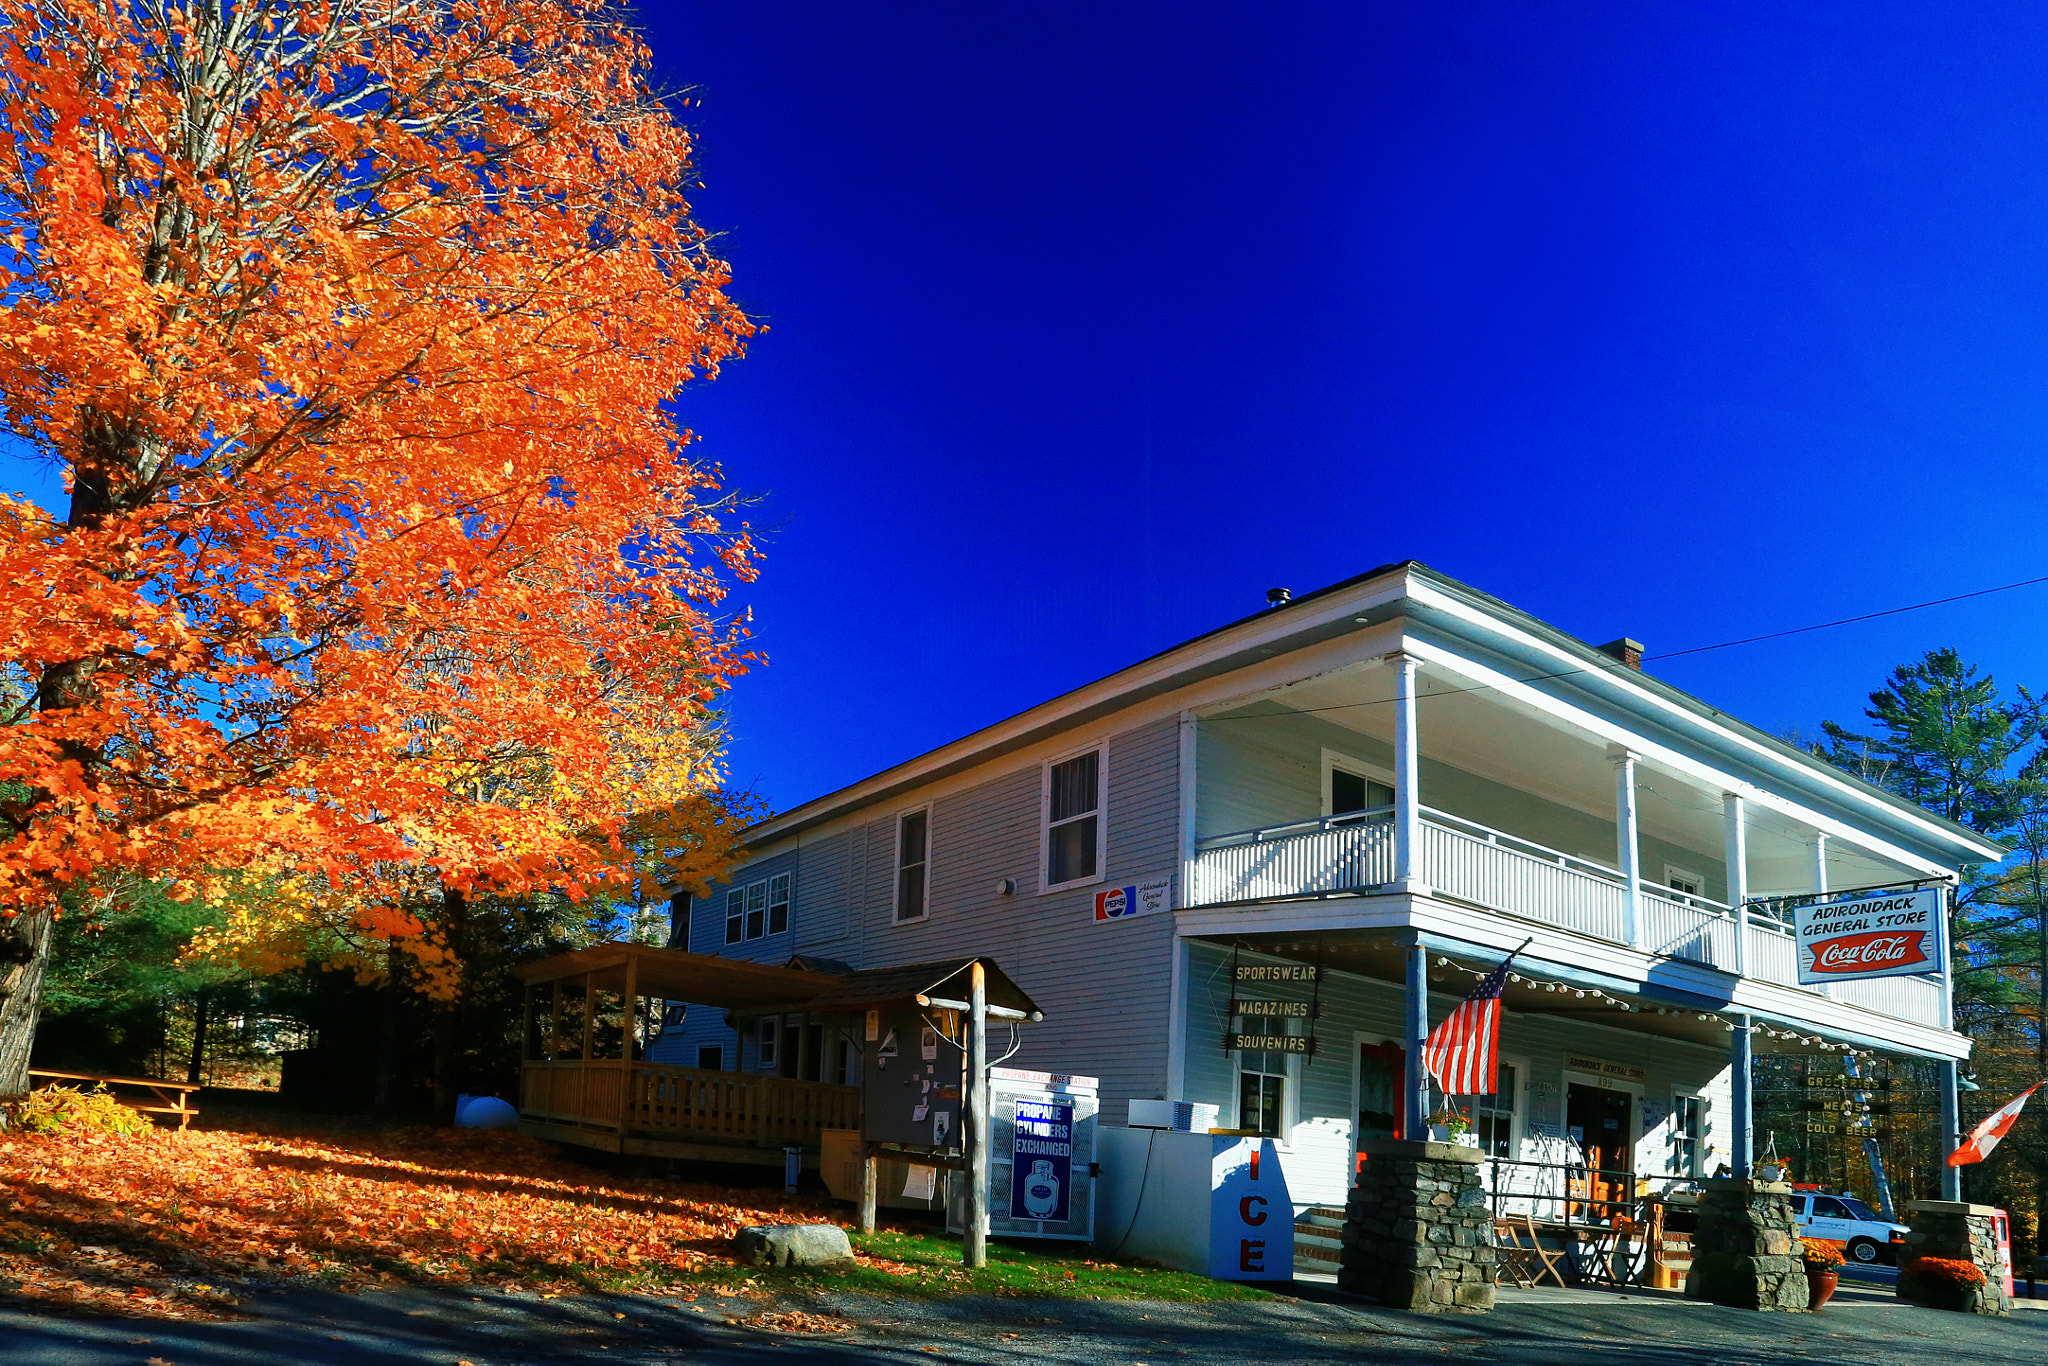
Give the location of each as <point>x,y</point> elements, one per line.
<point>1823,1263</point>
<point>1452,1125</point>
<point>1941,1282</point>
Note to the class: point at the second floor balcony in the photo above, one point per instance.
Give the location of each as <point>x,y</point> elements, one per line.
<point>1467,862</point>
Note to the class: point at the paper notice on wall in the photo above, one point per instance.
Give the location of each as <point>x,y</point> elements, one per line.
<point>918,1182</point>
<point>917,1115</point>
<point>942,1124</point>
<point>928,1045</point>
<point>874,1025</point>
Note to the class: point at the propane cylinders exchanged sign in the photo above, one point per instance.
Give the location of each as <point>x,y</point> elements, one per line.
<point>1886,934</point>
<point>1042,1161</point>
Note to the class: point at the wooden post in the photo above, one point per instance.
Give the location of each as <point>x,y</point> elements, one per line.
<point>632,1031</point>
<point>870,1178</point>
<point>974,1247</point>
<point>589,1016</point>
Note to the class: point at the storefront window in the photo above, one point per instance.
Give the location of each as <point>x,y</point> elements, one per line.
<point>1260,1098</point>
<point>1688,1130</point>
<point>1493,1117</point>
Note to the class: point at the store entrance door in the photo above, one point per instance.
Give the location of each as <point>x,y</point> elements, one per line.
<point>1598,1122</point>
<point>1382,1108</point>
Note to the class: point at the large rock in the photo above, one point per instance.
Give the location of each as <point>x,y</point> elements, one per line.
<point>794,1245</point>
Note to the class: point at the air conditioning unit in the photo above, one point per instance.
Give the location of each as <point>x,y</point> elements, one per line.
<point>1188,1116</point>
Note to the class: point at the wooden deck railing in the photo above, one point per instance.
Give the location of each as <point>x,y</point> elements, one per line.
<point>169,1098</point>
<point>686,1103</point>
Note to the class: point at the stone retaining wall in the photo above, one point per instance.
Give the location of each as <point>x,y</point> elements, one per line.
<point>1418,1233</point>
<point>1960,1233</point>
<point>1745,1252</point>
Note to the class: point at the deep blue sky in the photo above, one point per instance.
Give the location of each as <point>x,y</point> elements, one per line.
<point>1091,322</point>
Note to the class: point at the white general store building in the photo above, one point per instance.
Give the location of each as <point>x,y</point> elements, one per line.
<point>1394,777</point>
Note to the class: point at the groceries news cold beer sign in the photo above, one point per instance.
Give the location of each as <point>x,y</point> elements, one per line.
<point>1891,934</point>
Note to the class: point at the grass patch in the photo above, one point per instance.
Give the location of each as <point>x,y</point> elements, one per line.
<point>928,1265</point>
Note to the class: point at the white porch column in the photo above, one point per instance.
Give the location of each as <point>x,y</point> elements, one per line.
<point>1627,856</point>
<point>1819,845</point>
<point>1407,768</point>
<point>1736,858</point>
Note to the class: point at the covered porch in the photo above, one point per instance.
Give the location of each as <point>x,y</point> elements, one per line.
<point>583,1080</point>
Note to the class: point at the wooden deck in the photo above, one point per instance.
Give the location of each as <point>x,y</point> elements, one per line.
<point>641,1108</point>
<point>169,1098</point>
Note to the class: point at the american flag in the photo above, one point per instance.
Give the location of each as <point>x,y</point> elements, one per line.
<point>1462,1055</point>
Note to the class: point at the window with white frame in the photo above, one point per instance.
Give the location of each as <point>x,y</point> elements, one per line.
<point>1684,880</point>
<point>769,1035</point>
<point>1262,1101</point>
<point>1073,820</point>
<point>1493,1117</point>
<point>913,858</point>
<point>1352,785</point>
<point>757,909</point>
<point>1688,1133</point>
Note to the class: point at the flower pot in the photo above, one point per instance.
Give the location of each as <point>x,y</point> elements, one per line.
<point>1820,1287</point>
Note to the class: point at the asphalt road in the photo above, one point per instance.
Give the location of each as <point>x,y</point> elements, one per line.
<point>440,1328</point>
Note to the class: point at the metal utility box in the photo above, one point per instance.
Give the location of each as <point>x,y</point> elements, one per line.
<point>1041,1168</point>
<point>914,1078</point>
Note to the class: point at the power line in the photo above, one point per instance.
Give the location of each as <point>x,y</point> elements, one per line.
<point>1846,621</point>
<point>1675,654</point>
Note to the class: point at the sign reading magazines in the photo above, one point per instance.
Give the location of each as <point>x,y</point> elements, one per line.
<point>1267,1041</point>
<point>1042,1161</point>
<point>1888,934</point>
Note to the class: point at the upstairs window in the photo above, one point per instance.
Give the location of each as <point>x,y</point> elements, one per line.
<point>757,909</point>
<point>913,849</point>
<point>769,1033</point>
<point>1073,822</point>
<point>1356,792</point>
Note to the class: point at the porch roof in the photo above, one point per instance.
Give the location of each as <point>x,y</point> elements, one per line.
<point>1382,955</point>
<point>739,984</point>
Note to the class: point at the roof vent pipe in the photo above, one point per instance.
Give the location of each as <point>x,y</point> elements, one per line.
<point>1278,597</point>
<point>1629,652</point>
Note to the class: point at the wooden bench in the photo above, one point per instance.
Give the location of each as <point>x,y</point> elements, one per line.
<point>170,1097</point>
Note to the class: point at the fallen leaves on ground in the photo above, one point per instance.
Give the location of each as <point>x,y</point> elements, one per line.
<point>797,1321</point>
<point>176,1225</point>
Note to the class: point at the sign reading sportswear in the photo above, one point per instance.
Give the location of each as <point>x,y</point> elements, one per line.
<point>1121,903</point>
<point>1888,934</point>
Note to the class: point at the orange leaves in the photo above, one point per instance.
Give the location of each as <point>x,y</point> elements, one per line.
<point>181,1217</point>
<point>382,559</point>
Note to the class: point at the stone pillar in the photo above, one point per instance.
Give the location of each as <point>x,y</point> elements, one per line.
<point>1418,1233</point>
<point>1956,1232</point>
<point>1745,1250</point>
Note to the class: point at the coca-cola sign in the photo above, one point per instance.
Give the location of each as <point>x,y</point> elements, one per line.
<point>1870,934</point>
<point>1851,955</point>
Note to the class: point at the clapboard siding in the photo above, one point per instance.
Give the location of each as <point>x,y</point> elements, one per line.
<point>1103,987</point>
<point>1262,766</point>
<point>1318,1152</point>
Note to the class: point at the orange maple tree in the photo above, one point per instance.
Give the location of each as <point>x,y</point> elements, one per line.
<point>351,324</point>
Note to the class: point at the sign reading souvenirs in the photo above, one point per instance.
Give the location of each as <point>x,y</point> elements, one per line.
<point>1277,972</point>
<point>1889,934</point>
<point>1269,1043</point>
<point>1042,1161</point>
<point>1280,1010</point>
<point>1121,903</point>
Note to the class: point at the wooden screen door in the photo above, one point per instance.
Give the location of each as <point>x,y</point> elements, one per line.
<point>1382,1106</point>
<point>1598,1121</point>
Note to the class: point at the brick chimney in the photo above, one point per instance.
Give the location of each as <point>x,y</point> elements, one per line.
<point>1629,652</point>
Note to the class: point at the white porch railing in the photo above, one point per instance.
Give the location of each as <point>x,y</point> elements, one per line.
<point>1516,877</point>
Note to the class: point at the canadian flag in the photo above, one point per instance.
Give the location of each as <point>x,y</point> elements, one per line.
<point>1985,1136</point>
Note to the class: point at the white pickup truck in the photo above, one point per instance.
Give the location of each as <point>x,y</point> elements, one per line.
<point>1867,1238</point>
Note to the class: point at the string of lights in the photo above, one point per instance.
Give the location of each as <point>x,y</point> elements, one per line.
<point>1625,1006</point>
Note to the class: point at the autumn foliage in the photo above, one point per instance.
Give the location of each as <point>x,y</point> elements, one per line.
<point>171,1224</point>
<point>384,571</point>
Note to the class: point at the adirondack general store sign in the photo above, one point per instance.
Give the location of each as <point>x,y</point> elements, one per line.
<point>1892,934</point>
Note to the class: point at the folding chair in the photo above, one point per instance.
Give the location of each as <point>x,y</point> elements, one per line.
<point>1514,1236</point>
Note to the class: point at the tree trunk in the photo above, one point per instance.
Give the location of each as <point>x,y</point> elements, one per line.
<point>447,1026</point>
<point>390,1000</point>
<point>24,961</point>
<point>197,1065</point>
